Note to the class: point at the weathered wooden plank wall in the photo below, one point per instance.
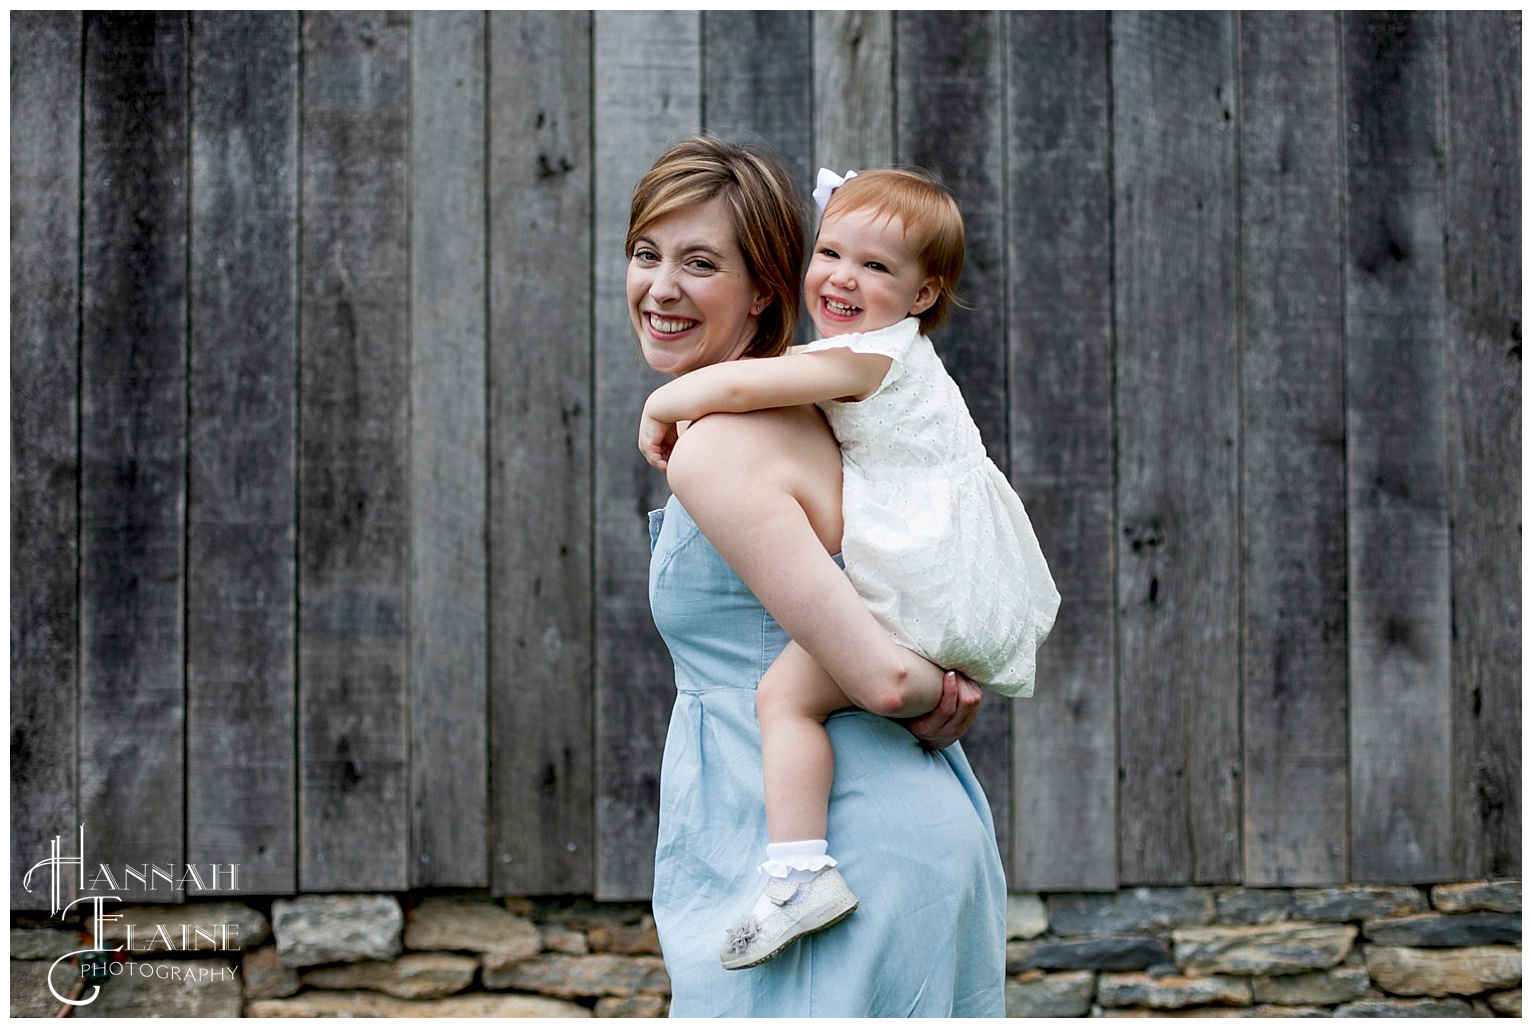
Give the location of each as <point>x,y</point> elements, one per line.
<point>353,474</point>
<point>45,430</point>
<point>541,412</point>
<point>1059,338</point>
<point>328,548</point>
<point>1294,473</point>
<point>241,525</point>
<point>1482,199</point>
<point>133,461</point>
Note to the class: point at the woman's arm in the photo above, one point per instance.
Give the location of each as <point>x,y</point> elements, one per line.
<point>734,387</point>
<point>764,490</point>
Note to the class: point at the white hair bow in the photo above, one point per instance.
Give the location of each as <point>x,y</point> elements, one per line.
<point>827,184</point>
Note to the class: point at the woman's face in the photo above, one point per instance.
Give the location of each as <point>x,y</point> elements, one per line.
<point>692,301</point>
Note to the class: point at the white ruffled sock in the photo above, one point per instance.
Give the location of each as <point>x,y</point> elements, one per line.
<point>796,861</point>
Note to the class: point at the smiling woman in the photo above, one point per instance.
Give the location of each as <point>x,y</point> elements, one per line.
<point>691,296</point>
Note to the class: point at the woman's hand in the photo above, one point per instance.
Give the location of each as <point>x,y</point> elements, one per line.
<point>953,716</point>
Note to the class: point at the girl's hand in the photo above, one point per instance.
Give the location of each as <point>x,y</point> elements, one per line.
<point>655,440</point>
<point>953,717</point>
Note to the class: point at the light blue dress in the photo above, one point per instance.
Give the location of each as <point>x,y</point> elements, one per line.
<point>911,829</point>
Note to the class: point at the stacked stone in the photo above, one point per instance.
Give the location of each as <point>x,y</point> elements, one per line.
<point>1353,951</point>
<point>366,956</point>
<point>201,980</point>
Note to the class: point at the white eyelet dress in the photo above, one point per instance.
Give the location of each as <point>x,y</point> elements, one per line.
<point>929,937</point>
<point>936,540</point>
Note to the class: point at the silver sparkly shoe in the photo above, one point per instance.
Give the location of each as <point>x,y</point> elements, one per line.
<point>825,900</point>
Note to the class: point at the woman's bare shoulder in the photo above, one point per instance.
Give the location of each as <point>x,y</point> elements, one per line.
<point>788,449</point>
<point>780,433</point>
<point>727,469</point>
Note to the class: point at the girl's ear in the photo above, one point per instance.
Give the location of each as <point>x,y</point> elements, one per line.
<point>930,289</point>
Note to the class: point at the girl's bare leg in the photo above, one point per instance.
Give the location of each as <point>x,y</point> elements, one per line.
<point>793,700</point>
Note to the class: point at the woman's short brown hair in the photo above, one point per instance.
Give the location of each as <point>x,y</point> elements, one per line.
<point>932,223</point>
<point>767,212</point>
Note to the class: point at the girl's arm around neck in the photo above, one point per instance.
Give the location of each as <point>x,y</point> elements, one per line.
<point>735,387</point>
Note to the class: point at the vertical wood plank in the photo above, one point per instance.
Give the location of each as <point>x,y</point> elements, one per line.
<point>133,440</point>
<point>1177,401</point>
<point>45,444</point>
<point>1294,496</point>
<point>853,89</point>
<point>1398,561</point>
<point>241,618</point>
<point>648,75</point>
<point>353,512</point>
<point>1483,322</point>
<point>949,97</point>
<point>1058,247</point>
<point>449,587</point>
<point>540,442</point>
<point>757,85</point>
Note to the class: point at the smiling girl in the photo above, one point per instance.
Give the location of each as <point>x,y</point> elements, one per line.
<point>935,541</point>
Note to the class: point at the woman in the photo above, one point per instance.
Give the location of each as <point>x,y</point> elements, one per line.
<point>741,561</point>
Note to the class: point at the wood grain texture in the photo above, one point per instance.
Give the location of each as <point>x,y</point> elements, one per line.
<point>755,87</point>
<point>1399,574</point>
<point>1177,404</point>
<point>1294,483</point>
<point>1058,249</point>
<point>132,716</point>
<point>648,79</point>
<point>949,100</point>
<point>1246,296</point>
<point>353,548</point>
<point>241,589</point>
<point>1482,208</point>
<point>45,443</point>
<point>540,361</point>
<point>853,75</point>
<point>449,580</point>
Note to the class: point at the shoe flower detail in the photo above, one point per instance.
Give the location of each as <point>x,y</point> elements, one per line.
<point>739,935</point>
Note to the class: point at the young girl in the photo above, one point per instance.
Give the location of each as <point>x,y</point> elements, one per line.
<point>935,540</point>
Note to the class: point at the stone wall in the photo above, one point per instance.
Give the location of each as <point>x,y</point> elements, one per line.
<point>1355,951</point>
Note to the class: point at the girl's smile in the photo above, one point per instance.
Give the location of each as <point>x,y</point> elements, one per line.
<point>863,274</point>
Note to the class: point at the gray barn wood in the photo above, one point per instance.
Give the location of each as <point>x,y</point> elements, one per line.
<point>853,96</point>
<point>353,480</point>
<point>328,529</point>
<point>1482,202</point>
<point>1398,577</point>
<point>541,413</point>
<point>133,267</point>
<point>1064,764</point>
<point>241,531</point>
<point>1177,410</point>
<point>1292,288</point>
<point>45,443</point>
<point>449,703</point>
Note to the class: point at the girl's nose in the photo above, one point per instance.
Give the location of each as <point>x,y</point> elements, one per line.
<point>841,275</point>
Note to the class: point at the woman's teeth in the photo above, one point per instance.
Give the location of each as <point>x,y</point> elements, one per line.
<point>668,326</point>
